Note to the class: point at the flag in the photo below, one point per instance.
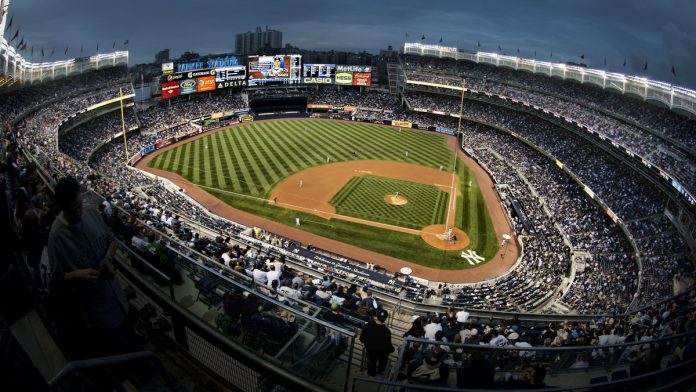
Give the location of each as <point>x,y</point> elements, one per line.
<point>479,44</point>
<point>582,56</point>
<point>500,49</point>
<point>645,68</point>
<point>97,47</point>
<point>423,37</point>
<point>24,47</point>
<point>9,24</point>
<point>42,52</point>
<point>82,48</point>
<point>21,42</point>
<point>674,72</point>
<point>66,51</point>
<point>114,45</point>
<point>551,55</point>
<point>518,50</point>
<point>125,42</point>
<point>535,53</point>
<point>605,60</point>
<point>32,50</point>
<point>14,37</point>
<point>624,62</point>
<point>53,51</point>
<point>440,39</point>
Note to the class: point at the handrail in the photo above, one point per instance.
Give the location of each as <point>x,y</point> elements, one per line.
<point>102,362</point>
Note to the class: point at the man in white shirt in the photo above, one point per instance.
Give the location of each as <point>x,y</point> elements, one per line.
<point>273,274</point>
<point>432,328</point>
<point>260,276</point>
<point>462,317</point>
<point>290,292</point>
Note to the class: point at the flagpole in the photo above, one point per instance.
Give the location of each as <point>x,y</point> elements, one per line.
<point>123,124</point>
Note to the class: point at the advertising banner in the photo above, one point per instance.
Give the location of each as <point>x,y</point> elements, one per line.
<point>164,143</point>
<point>206,83</point>
<point>167,68</point>
<point>362,78</point>
<point>344,78</point>
<point>187,86</point>
<point>311,80</point>
<point>402,124</point>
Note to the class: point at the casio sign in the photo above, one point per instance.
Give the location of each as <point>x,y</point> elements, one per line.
<point>317,80</point>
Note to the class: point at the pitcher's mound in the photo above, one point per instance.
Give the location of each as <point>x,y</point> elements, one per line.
<point>396,200</point>
<point>436,236</point>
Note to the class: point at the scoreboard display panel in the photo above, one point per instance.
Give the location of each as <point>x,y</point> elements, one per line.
<point>278,69</point>
<point>231,76</point>
<point>318,73</point>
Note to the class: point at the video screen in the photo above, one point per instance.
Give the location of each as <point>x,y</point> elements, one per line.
<point>278,69</point>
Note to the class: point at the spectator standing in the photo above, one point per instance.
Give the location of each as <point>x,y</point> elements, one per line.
<point>80,250</point>
<point>377,340</point>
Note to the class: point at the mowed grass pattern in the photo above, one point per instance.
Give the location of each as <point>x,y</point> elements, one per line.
<point>251,159</point>
<point>241,165</point>
<point>363,197</point>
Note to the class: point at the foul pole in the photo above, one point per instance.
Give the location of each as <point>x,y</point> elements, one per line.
<point>123,124</point>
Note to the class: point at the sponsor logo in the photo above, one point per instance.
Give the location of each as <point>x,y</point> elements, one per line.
<point>170,89</point>
<point>232,83</point>
<point>344,78</point>
<point>206,83</point>
<point>187,86</point>
<point>317,80</point>
<point>403,124</point>
<point>204,72</point>
<point>167,68</point>
<point>353,68</point>
<point>362,79</point>
<point>173,77</point>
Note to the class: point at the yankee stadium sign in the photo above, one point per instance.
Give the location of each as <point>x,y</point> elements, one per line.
<point>212,63</point>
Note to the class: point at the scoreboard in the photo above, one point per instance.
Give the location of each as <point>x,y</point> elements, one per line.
<point>318,73</point>
<point>348,75</point>
<point>278,69</point>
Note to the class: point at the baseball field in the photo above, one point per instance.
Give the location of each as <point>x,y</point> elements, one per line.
<point>375,187</point>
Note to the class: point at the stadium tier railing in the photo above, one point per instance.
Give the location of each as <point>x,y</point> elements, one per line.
<point>15,67</point>
<point>674,97</point>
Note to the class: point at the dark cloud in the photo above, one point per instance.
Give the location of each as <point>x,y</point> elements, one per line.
<point>660,31</point>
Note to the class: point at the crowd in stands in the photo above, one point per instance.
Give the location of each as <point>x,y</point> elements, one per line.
<point>633,200</point>
<point>168,114</point>
<point>643,338</point>
<point>559,211</point>
<point>658,135</point>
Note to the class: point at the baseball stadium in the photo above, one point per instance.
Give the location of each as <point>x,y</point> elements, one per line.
<point>434,217</point>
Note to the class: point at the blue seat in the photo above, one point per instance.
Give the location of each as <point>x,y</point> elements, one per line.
<point>619,375</point>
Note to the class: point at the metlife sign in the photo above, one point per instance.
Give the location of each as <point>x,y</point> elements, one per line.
<point>353,68</point>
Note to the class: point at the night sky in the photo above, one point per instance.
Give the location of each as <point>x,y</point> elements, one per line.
<point>661,32</point>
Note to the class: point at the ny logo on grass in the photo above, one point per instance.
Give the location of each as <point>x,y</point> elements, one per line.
<point>472,257</point>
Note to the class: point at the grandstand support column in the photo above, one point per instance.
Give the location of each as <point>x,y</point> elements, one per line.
<point>123,125</point>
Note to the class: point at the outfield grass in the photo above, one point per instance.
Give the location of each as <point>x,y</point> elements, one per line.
<point>241,165</point>
<point>363,197</point>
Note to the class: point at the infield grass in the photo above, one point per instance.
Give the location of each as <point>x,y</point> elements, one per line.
<point>241,165</point>
<point>363,197</point>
